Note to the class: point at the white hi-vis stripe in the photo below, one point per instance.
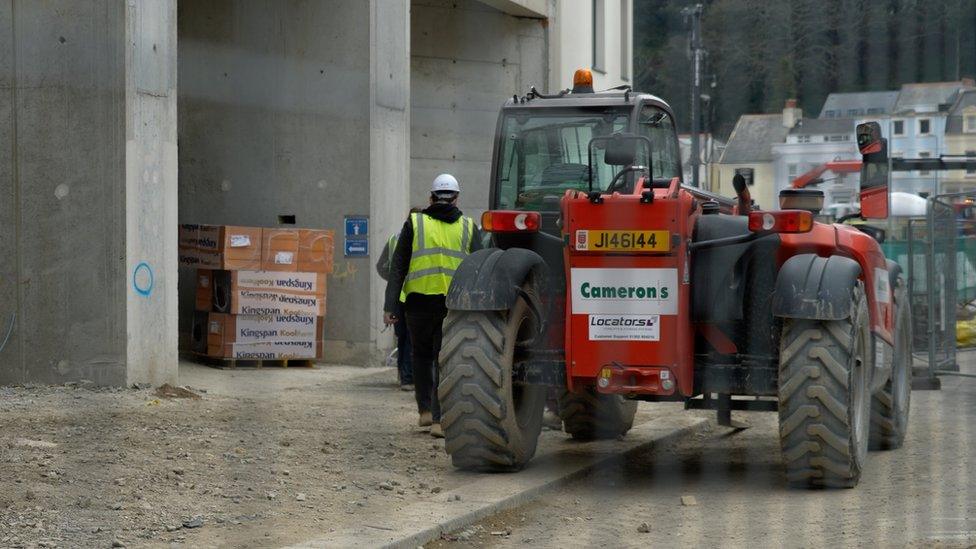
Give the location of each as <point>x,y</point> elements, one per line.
<point>431,271</point>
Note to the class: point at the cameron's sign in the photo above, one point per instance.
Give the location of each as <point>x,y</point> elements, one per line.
<point>624,291</point>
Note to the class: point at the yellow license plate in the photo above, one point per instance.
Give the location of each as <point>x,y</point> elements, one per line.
<point>623,241</point>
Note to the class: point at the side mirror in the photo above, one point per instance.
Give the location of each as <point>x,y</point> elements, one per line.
<point>874,171</point>
<point>620,151</point>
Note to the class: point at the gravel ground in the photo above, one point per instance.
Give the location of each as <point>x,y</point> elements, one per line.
<point>263,458</point>
<point>729,490</point>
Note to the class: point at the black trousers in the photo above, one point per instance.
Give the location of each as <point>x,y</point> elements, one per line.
<point>404,352</point>
<point>424,321</point>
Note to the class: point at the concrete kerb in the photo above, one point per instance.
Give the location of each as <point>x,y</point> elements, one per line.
<point>422,522</point>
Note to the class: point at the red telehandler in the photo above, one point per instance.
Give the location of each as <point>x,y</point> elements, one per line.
<point>614,282</point>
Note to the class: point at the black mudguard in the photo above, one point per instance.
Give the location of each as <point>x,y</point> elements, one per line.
<point>814,287</point>
<point>489,280</point>
<point>894,271</point>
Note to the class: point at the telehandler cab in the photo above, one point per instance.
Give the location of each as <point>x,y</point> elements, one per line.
<point>614,282</point>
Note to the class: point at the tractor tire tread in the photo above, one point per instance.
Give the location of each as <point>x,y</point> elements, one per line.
<point>887,428</point>
<point>588,415</point>
<point>814,402</point>
<point>477,411</point>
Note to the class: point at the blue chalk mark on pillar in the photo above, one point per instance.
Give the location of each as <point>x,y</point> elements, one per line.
<point>142,279</point>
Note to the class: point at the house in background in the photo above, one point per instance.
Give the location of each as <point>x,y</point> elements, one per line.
<point>776,148</point>
<point>711,150</point>
<point>812,142</point>
<point>916,129</point>
<point>749,152</point>
<point>960,140</point>
<point>859,104</point>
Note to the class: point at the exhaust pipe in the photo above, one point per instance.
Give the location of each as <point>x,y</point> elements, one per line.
<point>742,192</point>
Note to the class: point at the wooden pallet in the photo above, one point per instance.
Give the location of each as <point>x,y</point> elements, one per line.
<point>233,363</point>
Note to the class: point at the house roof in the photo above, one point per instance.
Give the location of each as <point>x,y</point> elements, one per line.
<point>927,94</point>
<point>964,100</point>
<point>753,138</point>
<point>823,126</point>
<point>841,104</point>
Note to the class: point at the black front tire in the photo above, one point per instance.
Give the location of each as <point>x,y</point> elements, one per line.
<point>490,423</point>
<point>889,406</point>
<point>589,415</point>
<point>824,405</point>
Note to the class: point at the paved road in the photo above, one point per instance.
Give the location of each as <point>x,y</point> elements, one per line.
<point>921,495</point>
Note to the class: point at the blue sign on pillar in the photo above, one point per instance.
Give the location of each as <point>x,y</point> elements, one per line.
<point>357,226</point>
<point>357,247</point>
<point>357,236</point>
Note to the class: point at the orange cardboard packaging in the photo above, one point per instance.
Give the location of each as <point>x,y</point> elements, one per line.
<point>220,246</point>
<point>279,250</point>
<point>268,350</point>
<point>224,328</point>
<point>204,289</point>
<point>315,250</point>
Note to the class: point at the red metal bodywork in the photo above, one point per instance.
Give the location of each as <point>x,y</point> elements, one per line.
<point>636,364</point>
<point>837,166</point>
<point>671,210</point>
<point>827,240</point>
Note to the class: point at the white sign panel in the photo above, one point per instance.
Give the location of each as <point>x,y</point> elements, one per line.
<point>625,327</point>
<point>882,287</point>
<point>624,291</point>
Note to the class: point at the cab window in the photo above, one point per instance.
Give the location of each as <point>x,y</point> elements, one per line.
<point>657,125</point>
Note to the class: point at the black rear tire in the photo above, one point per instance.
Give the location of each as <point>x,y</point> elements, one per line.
<point>889,406</point>
<point>589,415</point>
<point>490,423</point>
<point>824,405</point>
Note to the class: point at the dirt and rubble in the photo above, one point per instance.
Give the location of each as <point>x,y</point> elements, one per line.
<point>231,458</point>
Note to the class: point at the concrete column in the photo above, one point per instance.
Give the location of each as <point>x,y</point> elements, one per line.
<point>389,127</point>
<point>151,191</point>
<point>87,191</point>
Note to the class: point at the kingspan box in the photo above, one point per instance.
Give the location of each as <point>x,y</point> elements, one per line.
<point>220,246</point>
<point>289,282</point>
<point>266,302</point>
<point>224,328</point>
<point>268,350</point>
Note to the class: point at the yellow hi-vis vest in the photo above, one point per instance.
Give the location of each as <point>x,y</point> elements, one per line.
<point>438,249</point>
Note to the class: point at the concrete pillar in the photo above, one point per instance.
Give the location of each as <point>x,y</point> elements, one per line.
<point>389,127</point>
<point>87,191</point>
<point>151,191</point>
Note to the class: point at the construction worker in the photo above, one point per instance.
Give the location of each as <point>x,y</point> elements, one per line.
<point>431,245</point>
<point>404,368</point>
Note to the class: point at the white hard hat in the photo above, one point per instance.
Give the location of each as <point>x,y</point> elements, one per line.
<point>445,183</point>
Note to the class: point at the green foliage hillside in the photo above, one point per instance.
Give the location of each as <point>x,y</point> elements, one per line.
<point>761,52</point>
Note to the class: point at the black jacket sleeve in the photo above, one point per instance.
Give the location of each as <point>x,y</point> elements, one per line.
<point>477,239</point>
<point>399,265</point>
<point>383,265</point>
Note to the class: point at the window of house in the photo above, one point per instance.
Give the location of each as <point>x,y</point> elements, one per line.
<point>625,39</point>
<point>970,123</point>
<point>924,154</point>
<point>875,110</point>
<point>924,126</point>
<point>838,138</point>
<point>793,171</point>
<point>898,127</point>
<point>843,196</point>
<point>830,113</point>
<point>803,139</point>
<point>970,168</point>
<point>599,35</point>
<point>747,174</point>
<point>854,112</point>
